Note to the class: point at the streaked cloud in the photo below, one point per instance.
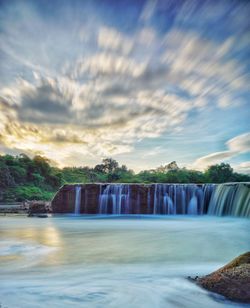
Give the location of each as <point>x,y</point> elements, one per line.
<point>243,167</point>
<point>83,82</point>
<point>236,146</point>
<point>240,144</point>
<point>111,39</point>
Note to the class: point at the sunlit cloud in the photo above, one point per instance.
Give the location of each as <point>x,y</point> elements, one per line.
<point>240,144</point>
<point>78,82</point>
<point>243,167</point>
<point>236,146</point>
<point>111,39</point>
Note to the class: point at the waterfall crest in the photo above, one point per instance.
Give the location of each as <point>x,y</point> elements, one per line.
<point>230,199</point>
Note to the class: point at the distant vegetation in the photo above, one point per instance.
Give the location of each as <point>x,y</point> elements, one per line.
<point>23,178</point>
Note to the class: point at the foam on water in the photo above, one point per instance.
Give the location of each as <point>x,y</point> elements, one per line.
<point>11,247</point>
<point>104,286</point>
<point>27,253</point>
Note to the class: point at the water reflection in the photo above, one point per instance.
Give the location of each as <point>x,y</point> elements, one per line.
<point>34,242</point>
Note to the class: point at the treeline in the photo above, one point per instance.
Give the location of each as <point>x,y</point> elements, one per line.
<point>23,178</point>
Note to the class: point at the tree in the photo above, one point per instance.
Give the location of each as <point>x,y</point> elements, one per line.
<point>6,180</point>
<point>55,180</point>
<point>195,176</point>
<point>172,166</point>
<point>41,164</point>
<point>100,168</point>
<point>110,165</point>
<point>219,173</point>
<point>18,173</point>
<point>237,177</point>
<point>164,169</point>
<point>148,176</point>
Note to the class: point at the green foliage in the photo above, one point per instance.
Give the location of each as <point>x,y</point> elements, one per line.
<point>219,173</point>
<point>74,175</point>
<point>23,178</point>
<point>18,173</point>
<point>37,179</point>
<point>22,193</point>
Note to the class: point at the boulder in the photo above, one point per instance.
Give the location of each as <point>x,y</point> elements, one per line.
<point>231,281</point>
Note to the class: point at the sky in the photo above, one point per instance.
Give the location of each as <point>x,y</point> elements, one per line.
<point>143,82</point>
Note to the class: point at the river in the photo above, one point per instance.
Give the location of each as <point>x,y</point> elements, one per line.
<point>115,261</point>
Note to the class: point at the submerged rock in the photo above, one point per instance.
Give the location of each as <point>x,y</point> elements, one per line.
<point>231,281</point>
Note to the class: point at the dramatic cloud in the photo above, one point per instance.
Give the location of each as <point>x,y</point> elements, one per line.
<point>110,39</point>
<point>77,81</point>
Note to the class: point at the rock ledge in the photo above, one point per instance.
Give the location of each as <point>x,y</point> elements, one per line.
<point>231,281</point>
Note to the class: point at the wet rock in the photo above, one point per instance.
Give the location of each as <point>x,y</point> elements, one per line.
<point>42,216</point>
<point>231,281</point>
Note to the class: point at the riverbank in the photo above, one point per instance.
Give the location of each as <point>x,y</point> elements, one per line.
<point>13,208</point>
<point>25,208</point>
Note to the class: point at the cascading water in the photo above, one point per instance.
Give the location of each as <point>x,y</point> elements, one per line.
<point>77,200</point>
<point>114,199</point>
<point>161,199</point>
<point>230,199</point>
<point>181,198</point>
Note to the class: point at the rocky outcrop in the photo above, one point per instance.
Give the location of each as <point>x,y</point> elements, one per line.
<point>231,281</point>
<point>39,207</point>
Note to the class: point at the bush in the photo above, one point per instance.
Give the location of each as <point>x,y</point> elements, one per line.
<point>22,193</point>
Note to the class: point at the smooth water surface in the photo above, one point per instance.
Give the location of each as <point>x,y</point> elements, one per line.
<point>140,261</point>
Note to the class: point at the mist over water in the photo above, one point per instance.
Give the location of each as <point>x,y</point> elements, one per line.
<point>139,261</point>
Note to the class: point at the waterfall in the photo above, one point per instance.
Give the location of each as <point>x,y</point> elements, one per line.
<point>230,199</point>
<point>77,200</point>
<point>159,199</point>
<point>193,206</point>
<point>114,199</point>
<point>181,198</point>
